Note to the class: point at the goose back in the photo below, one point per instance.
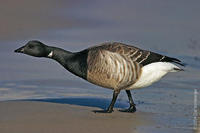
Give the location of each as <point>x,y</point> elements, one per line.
<point>143,57</point>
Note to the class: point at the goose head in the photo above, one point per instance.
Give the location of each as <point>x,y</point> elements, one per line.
<point>34,48</point>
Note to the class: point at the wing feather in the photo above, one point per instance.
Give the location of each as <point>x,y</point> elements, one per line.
<point>140,56</point>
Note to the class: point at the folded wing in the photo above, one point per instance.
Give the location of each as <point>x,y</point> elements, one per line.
<point>140,56</point>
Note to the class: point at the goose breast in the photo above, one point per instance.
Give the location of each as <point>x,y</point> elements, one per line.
<point>111,70</point>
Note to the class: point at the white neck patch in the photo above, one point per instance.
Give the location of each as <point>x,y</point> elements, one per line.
<point>50,54</point>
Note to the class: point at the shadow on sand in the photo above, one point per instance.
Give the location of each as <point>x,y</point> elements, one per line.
<point>89,102</point>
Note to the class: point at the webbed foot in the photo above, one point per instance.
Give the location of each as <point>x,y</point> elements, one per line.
<point>131,109</point>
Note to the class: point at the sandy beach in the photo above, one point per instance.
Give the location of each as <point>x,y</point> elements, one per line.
<point>47,117</point>
<point>43,117</point>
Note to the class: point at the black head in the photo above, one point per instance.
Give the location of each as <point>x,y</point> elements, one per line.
<point>33,48</point>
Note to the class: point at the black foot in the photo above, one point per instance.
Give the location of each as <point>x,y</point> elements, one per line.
<point>103,111</point>
<point>131,109</point>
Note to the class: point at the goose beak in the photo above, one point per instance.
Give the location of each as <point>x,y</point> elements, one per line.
<point>20,50</point>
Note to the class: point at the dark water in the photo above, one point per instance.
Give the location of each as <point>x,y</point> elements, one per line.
<point>167,27</point>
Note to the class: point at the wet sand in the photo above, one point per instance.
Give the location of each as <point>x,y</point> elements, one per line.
<point>49,117</point>
<point>44,117</point>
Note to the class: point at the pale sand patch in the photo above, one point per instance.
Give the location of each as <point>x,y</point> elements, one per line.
<point>44,117</point>
<point>4,89</point>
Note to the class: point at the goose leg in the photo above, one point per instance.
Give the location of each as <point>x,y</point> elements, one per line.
<point>110,108</point>
<point>132,107</point>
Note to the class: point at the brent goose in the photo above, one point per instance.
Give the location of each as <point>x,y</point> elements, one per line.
<point>111,65</point>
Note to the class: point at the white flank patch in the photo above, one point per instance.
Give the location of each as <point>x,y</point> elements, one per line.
<point>152,73</point>
<point>50,54</point>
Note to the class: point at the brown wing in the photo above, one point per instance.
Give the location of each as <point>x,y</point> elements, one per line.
<point>140,56</point>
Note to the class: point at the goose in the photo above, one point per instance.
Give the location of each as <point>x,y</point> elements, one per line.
<point>112,65</point>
